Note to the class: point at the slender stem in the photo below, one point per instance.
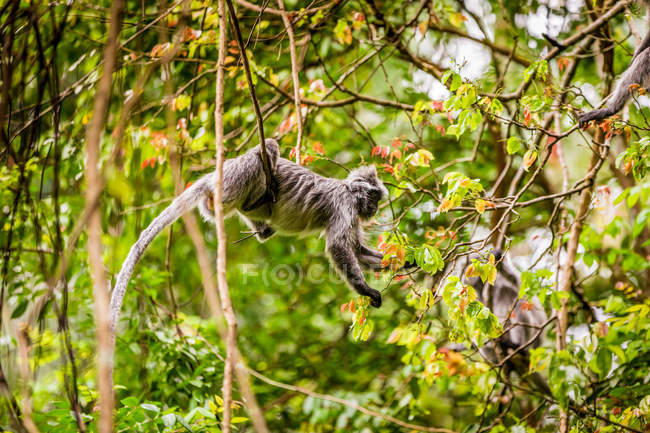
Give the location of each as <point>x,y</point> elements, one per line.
<point>222,282</point>
<point>294,76</point>
<point>251,89</point>
<point>93,191</point>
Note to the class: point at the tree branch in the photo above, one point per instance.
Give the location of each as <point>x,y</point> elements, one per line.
<point>93,191</point>
<point>251,89</point>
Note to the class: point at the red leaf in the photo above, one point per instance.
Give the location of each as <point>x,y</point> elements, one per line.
<point>527,115</point>
<point>318,147</point>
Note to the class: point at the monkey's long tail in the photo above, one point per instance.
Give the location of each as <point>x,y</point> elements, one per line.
<point>182,204</point>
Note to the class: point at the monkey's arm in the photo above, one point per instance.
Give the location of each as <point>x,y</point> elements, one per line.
<point>340,248</point>
<point>637,73</point>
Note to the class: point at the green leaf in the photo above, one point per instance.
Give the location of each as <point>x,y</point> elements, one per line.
<point>528,73</point>
<point>429,259</point>
<point>513,145</point>
<point>618,351</point>
<point>169,420</point>
<point>150,407</point>
<point>424,298</point>
<point>456,82</point>
<point>602,362</point>
<point>129,401</point>
<point>20,309</point>
<point>184,423</point>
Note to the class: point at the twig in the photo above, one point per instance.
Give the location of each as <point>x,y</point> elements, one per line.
<point>233,358</point>
<point>93,191</point>
<point>22,338</point>
<point>294,77</point>
<point>256,106</point>
<point>351,404</point>
<point>222,282</point>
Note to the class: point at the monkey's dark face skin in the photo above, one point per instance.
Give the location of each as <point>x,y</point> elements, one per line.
<point>368,191</point>
<point>368,203</point>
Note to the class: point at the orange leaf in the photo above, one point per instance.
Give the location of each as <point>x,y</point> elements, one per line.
<point>445,205</point>
<point>527,115</point>
<point>529,158</point>
<point>469,272</point>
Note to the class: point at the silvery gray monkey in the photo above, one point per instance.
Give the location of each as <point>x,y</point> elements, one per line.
<point>637,73</point>
<point>305,203</point>
<point>504,296</point>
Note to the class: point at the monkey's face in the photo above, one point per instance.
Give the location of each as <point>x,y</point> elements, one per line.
<point>368,190</point>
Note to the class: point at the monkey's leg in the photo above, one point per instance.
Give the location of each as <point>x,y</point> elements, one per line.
<point>346,262</point>
<point>266,198</point>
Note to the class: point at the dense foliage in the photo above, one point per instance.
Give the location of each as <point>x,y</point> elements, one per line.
<point>468,110</point>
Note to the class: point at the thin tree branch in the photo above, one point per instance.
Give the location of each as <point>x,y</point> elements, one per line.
<point>222,282</point>
<point>93,191</point>
<point>348,403</point>
<point>233,357</point>
<point>294,76</point>
<point>251,89</point>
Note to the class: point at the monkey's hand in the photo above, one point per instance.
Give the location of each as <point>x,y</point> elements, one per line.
<point>597,115</point>
<point>375,297</point>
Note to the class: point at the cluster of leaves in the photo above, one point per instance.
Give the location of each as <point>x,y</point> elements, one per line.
<point>636,158</point>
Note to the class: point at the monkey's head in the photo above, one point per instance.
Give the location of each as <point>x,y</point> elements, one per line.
<point>367,189</point>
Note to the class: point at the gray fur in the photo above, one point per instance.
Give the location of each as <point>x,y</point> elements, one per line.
<point>637,73</point>
<point>504,293</point>
<point>305,203</point>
